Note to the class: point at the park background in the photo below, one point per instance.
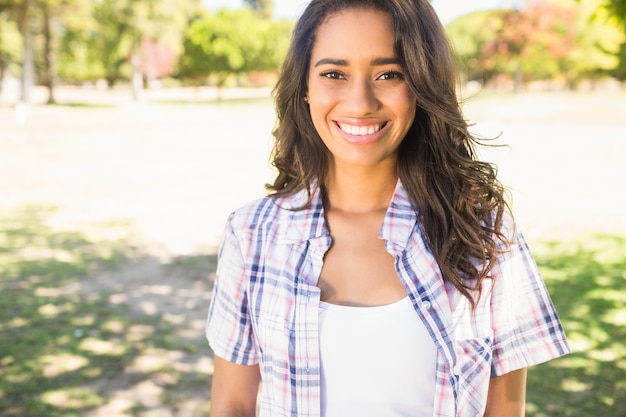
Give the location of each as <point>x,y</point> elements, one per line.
<point>129,130</point>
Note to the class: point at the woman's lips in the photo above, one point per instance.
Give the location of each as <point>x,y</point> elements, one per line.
<point>361,134</point>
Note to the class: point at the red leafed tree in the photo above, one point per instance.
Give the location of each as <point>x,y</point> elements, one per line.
<point>158,60</point>
<point>531,43</point>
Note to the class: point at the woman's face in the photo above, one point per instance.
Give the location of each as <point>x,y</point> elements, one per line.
<point>360,103</point>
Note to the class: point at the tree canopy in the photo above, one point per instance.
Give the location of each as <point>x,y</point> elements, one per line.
<point>138,41</point>
<point>545,40</point>
<point>232,42</point>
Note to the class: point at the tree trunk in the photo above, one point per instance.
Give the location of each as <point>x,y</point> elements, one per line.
<point>519,77</point>
<point>49,56</point>
<point>136,78</point>
<point>28,65</point>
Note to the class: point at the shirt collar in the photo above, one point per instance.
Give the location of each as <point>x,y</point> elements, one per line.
<point>309,223</point>
<point>400,219</point>
<point>306,223</point>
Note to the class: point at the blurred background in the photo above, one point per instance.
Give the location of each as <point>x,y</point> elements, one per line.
<point>130,129</point>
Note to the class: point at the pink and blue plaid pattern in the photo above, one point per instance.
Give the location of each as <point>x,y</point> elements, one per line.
<point>265,306</point>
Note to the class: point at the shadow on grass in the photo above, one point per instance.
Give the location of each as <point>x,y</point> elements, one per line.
<point>96,327</point>
<point>587,281</point>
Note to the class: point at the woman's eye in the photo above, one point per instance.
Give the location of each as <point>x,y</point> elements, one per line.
<point>333,75</point>
<point>391,75</point>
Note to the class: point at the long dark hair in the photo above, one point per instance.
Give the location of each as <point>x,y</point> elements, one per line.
<point>458,199</point>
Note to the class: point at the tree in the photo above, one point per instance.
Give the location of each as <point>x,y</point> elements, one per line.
<point>10,51</point>
<point>56,15</point>
<point>569,46</point>
<point>124,27</point>
<point>22,12</point>
<point>213,45</point>
<point>31,15</point>
<point>617,10</point>
<point>80,56</point>
<point>532,43</point>
<point>232,42</point>
<point>468,34</point>
<point>597,43</point>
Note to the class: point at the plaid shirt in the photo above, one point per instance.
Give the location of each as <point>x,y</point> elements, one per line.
<point>266,303</point>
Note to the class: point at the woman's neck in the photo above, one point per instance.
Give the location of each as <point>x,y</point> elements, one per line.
<point>359,191</point>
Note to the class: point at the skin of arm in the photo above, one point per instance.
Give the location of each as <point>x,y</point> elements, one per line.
<point>234,389</point>
<point>507,395</point>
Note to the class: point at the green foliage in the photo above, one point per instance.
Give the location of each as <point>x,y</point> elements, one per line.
<point>547,40</point>
<point>468,35</point>
<point>617,8</point>
<point>532,43</point>
<point>10,44</point>
<point>74,22</point>
<point>612,13</point>
<point>232,42</point>
<point>586,280</point>
<point>118,29</point>
<point>597,40</point>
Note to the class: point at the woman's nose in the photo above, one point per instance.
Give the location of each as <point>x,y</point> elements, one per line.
<point>361,98</point>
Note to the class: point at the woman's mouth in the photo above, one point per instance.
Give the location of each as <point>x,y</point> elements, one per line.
<point>360,130</point>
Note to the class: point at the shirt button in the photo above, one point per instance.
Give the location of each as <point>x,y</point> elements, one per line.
<point>456,370</point>
<point>426,305</point>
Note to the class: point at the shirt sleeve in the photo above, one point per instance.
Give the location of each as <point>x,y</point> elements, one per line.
<point>229,326</point>
<point>526,327</point>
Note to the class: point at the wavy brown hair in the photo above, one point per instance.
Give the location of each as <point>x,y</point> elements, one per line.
<point>458,199</point>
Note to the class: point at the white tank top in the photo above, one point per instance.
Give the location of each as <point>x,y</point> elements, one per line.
<point>376,361</point>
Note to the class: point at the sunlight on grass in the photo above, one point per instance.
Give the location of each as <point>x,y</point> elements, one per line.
<point>113,326</point>
<point>573,385</point>
<point>72,398</point>
<point>65,342</point>
<point>587,280</point>
<point>57,364</point>
<point>51,311</point>
<point>102,347</point>
<point>55,346</point>
<point>138,332</point>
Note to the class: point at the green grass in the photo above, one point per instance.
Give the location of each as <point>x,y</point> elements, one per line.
<point>59,345</point>
<point>587,280</point>
<point>58,342</point>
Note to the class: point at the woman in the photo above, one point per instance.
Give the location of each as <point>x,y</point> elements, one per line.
<point>383,275</point>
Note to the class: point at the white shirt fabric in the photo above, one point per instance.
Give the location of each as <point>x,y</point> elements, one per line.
<point>372,365</point>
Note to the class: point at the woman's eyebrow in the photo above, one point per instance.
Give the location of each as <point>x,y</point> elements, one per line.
<point>332,61</point>
<point>344,63</point>
<point>385,61</point>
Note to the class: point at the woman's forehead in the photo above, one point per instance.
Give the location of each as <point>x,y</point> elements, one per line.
<point>354,31</point>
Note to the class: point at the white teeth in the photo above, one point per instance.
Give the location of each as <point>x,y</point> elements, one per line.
<point>360,130</point>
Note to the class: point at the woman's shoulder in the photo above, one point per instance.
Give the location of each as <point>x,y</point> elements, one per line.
<point>268,210</point>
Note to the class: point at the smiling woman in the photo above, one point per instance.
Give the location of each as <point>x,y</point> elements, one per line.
<point>383,275</point>
<point>360,103</point>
